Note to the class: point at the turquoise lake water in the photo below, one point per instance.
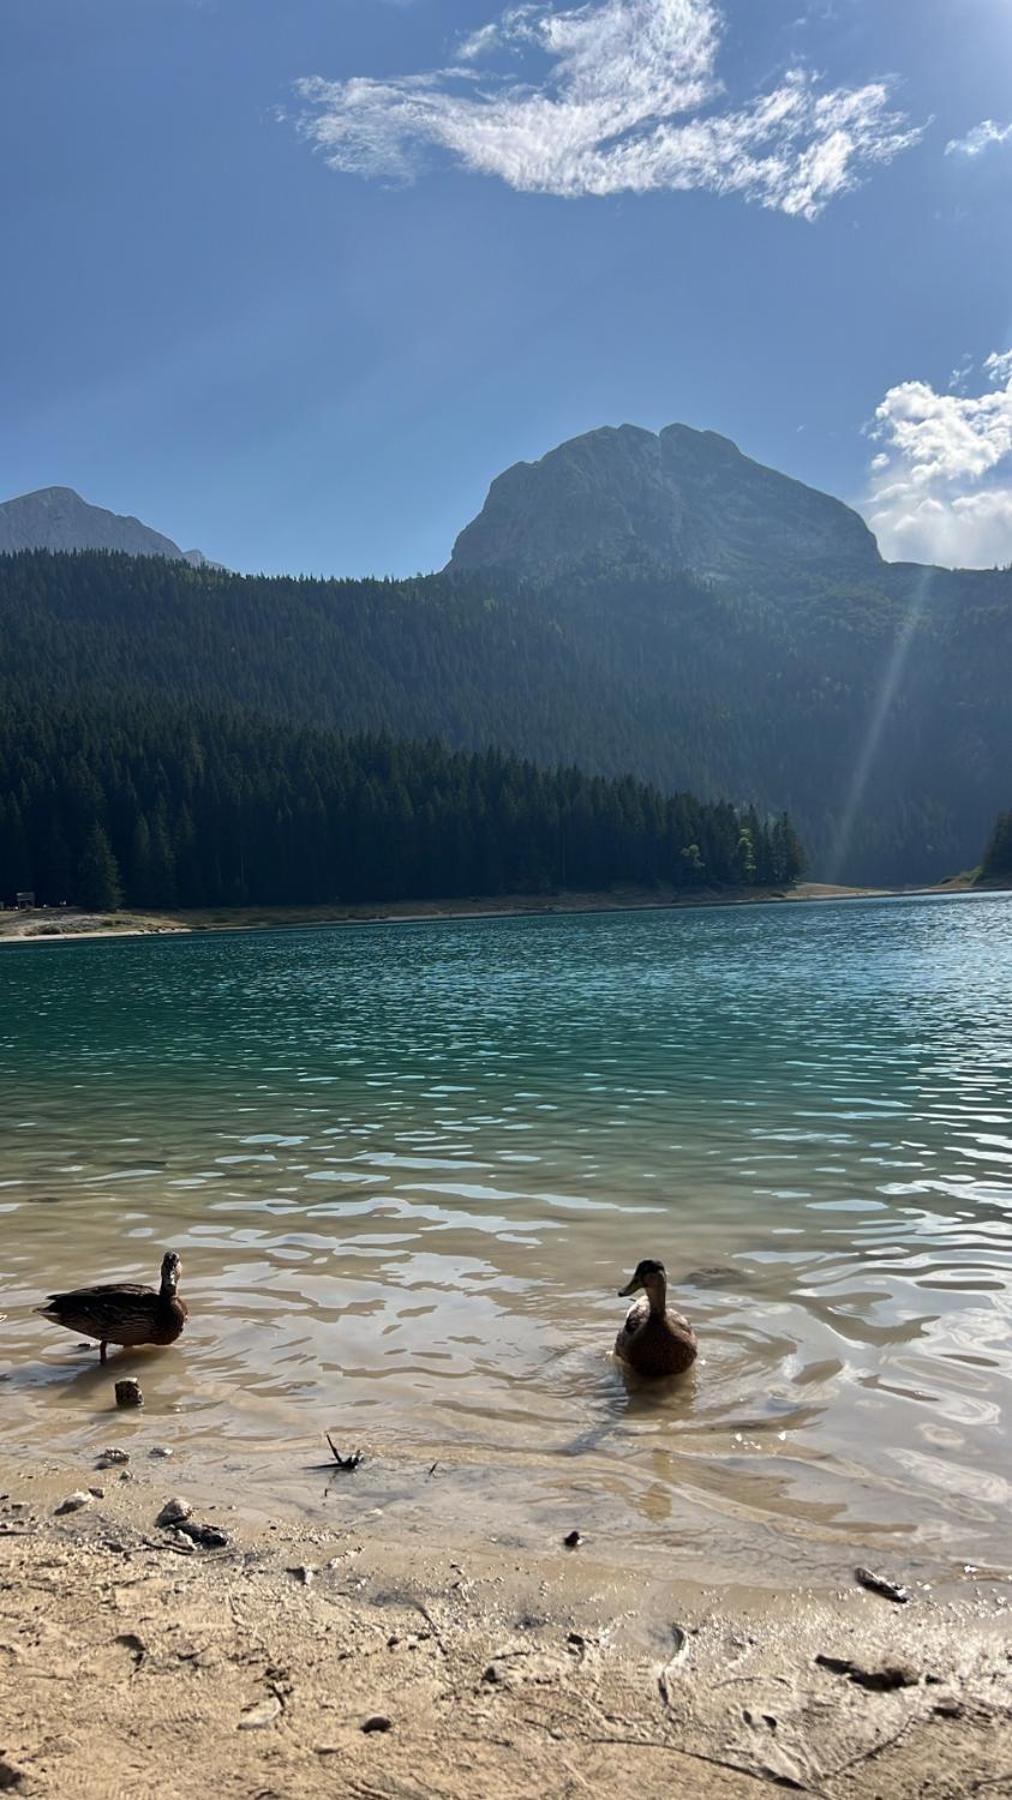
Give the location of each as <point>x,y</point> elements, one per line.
<point>408,1166</point>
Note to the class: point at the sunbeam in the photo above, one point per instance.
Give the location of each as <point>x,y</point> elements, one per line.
<point>894,672</point>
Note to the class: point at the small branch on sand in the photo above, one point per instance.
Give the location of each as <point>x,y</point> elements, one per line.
<point>717,1762</point>
<point>420,1606</point>
<point>876,1749</point>
<point>347,1463</point>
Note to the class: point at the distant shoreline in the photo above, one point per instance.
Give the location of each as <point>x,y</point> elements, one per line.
<point>58,924</point>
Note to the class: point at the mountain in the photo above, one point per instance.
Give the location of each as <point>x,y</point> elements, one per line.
<point>56,518</point>
<point>710,627</point>
<point>680,498</point>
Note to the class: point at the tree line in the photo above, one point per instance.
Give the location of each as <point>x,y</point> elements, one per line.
<point>746,689</point>
<point>165,807</point>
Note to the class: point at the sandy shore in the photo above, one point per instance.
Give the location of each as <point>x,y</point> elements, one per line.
<point>292,1662</point>
<point>53,924</point>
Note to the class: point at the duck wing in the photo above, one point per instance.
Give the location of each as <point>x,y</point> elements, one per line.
<point>103,1295</point>
<point>635,1319</point>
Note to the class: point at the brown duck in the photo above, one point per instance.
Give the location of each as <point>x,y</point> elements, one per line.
<point>654,1341</point>
<point>121,1312</point>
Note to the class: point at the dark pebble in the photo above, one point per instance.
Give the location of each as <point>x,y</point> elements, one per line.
<point>378,1722</point>
<point>209,1537</point>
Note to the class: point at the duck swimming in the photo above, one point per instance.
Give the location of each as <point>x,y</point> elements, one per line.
<point>654,1341</point>
<point>120,1312</point>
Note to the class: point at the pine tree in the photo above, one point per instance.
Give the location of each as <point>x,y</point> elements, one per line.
<point>744,858</point>
<point>98,885</point>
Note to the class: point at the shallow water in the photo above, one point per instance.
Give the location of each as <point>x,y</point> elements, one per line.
<point>408,1166</point>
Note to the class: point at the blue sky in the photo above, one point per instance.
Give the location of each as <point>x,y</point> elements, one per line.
<point>293,279</point>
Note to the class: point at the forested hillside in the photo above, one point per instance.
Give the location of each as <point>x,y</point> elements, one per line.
<point>169,807</point>
<point>873,707</point>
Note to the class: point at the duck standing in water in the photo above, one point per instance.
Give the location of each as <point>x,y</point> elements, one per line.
<point>654,1341</point>
<point>122,1312</point>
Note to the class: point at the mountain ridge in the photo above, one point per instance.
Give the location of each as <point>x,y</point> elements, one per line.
<point>679,497</point>
<point>704,624</point>
<point>57,518</point>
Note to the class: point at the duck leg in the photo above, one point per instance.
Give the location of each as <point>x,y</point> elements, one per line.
<point>101,1351</point>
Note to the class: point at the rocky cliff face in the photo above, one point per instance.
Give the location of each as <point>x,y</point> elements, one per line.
<point>681,498</point>
<point>56,518</point>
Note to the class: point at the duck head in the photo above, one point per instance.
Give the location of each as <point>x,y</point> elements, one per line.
<point>652,1277</point>
<point>170,1272</point>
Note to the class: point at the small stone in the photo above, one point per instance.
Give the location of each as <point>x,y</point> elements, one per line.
<point>257,1718</point>
<point>128,1393</point>
<point>174,1511</point>
<point>97,1493</point>
<point>304,1574</point>
<point>125,1475</point>
<point>73,1502</point>
<point>572,1539</point>
<point>111,1458</point>
<point>160,1450</point>
<point>378,1722</point>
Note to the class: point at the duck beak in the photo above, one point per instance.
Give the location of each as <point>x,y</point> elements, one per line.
<point>631,1287</point>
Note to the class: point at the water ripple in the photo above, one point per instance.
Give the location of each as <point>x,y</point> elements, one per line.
<point>408,1167</point>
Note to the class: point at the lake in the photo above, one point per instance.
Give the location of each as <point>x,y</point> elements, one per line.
<point>408,1166</point>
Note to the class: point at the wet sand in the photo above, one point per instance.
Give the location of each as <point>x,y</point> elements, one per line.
<point>328,1661</point>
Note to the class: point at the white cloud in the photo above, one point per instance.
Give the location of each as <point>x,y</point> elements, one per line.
<point>480,43</point>
<point>981,138</point>
<point>941,488</point>
<point>999,365</point>
<point>629,102</point>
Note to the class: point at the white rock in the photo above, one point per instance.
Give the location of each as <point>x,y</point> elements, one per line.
<point>111,1458</point>
<point>174,1511</point>
<point>256,1718</point>
<point>73,1502</point>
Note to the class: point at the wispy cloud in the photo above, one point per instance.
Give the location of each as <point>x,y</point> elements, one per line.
<point>941,486</point>
<point>984,136</point>
<point>623,96</point>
